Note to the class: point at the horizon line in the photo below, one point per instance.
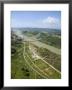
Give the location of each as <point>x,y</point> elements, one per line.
<point>36,27</point>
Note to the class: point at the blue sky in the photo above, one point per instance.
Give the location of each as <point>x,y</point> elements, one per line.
<point>36,19</point>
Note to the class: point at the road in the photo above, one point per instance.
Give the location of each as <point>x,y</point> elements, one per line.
<point>28,59</point>
<point>34,67</point>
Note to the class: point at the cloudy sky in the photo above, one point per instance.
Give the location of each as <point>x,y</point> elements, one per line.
<point>36,19</point>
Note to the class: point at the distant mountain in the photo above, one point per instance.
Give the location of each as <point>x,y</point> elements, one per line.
<point>39,30</point>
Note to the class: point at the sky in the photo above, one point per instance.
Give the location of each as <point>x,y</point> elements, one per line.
<point>36,19</point>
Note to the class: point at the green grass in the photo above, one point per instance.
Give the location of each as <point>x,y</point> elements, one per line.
<point>41,64</point>
<point>45,37</point>
<point>52,58</point>
<point>53,41</point>
<point>43,45</point>
<point>20,69</point>
<point>52,73</point>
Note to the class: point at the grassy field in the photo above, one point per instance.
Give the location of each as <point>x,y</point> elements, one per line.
<point>48,56</point>
<point>52,39</point>
<point>34,60</point>
<point>43,45</point>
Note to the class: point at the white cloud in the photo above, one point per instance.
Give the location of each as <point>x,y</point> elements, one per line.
<point>51,20</point>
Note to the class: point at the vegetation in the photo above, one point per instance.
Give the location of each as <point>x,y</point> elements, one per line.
<point>49,39</point>
<point>29,61</point>
<point>52,39</point>
<point>52,58</point>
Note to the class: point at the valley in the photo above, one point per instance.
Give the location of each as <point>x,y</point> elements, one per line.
<point>35,54</point>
